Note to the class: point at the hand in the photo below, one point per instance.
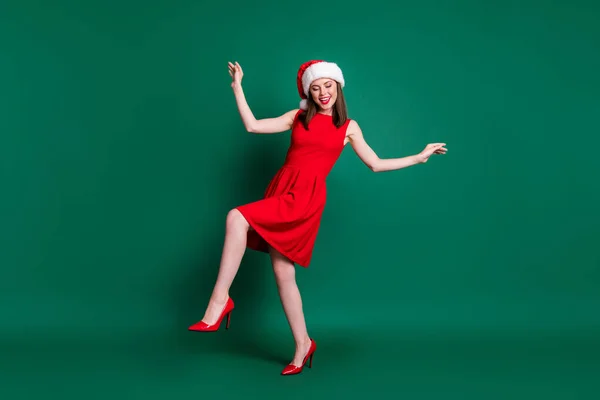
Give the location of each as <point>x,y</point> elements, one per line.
<point>236,74</point>
<point>432,148</point>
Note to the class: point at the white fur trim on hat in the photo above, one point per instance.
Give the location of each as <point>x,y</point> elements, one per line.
<point>303,104</point>
<point>320,70</point>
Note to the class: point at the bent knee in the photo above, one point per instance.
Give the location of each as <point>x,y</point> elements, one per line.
<point>235,220</point>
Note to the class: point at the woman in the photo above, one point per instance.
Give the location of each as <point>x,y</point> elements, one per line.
<point>285,222</point>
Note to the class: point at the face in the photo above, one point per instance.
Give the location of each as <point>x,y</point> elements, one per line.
<point>324,93</point>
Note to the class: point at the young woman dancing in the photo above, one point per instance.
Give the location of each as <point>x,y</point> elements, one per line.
<point>285,222</point>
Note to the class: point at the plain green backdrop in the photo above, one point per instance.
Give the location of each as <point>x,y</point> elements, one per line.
<point>473,276</point>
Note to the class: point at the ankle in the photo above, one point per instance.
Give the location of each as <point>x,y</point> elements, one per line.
<point>219,298</point>
<point>303,343</point>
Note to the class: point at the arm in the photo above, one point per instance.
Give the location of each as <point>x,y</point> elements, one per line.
<point>376,164</point>
<point>268,125</point>
<point>278,124</point>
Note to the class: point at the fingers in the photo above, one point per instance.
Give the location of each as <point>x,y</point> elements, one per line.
<point>235,69</point>
<point>438,148</point>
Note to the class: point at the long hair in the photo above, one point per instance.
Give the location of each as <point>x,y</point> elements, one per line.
<point>340,111</point>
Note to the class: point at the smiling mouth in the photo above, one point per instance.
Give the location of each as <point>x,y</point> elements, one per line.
<point>325,100</point>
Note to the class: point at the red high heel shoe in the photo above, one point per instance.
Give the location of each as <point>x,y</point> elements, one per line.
<point>204,327</point>
<point>291,369</point>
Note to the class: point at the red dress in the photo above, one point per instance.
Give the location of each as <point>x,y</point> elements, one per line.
<point>289,215</point>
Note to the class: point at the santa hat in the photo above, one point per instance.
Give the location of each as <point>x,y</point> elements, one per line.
<point>313,70</point>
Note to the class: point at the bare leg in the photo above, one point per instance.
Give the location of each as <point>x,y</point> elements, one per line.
<point>234,247</point>
<point>285,276</point>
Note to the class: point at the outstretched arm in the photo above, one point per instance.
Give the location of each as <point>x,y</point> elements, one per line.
<point>376,164</point>
<point>278,124</point>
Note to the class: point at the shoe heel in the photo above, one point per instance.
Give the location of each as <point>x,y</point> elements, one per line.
<point>228,320</point>
<point>310,360</point>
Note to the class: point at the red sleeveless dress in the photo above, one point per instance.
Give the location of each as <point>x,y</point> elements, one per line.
<point>289,215</point>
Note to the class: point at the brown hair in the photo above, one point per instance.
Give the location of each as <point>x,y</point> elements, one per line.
<point>340,111</point>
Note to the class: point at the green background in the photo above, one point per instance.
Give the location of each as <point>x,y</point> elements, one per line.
<point>475,275</point>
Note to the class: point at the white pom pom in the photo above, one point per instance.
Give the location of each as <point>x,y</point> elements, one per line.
<point>304,104</point>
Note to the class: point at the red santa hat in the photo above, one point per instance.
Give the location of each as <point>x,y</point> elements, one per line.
<point>313,70</point>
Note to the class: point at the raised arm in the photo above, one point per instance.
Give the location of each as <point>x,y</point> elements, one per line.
<point>376,164</point>
<point>278,124</point>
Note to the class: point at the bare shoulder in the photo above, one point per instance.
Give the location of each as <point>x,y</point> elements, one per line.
<point>292,113</point>
<point>352,132</point>
<point>353,128</point>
